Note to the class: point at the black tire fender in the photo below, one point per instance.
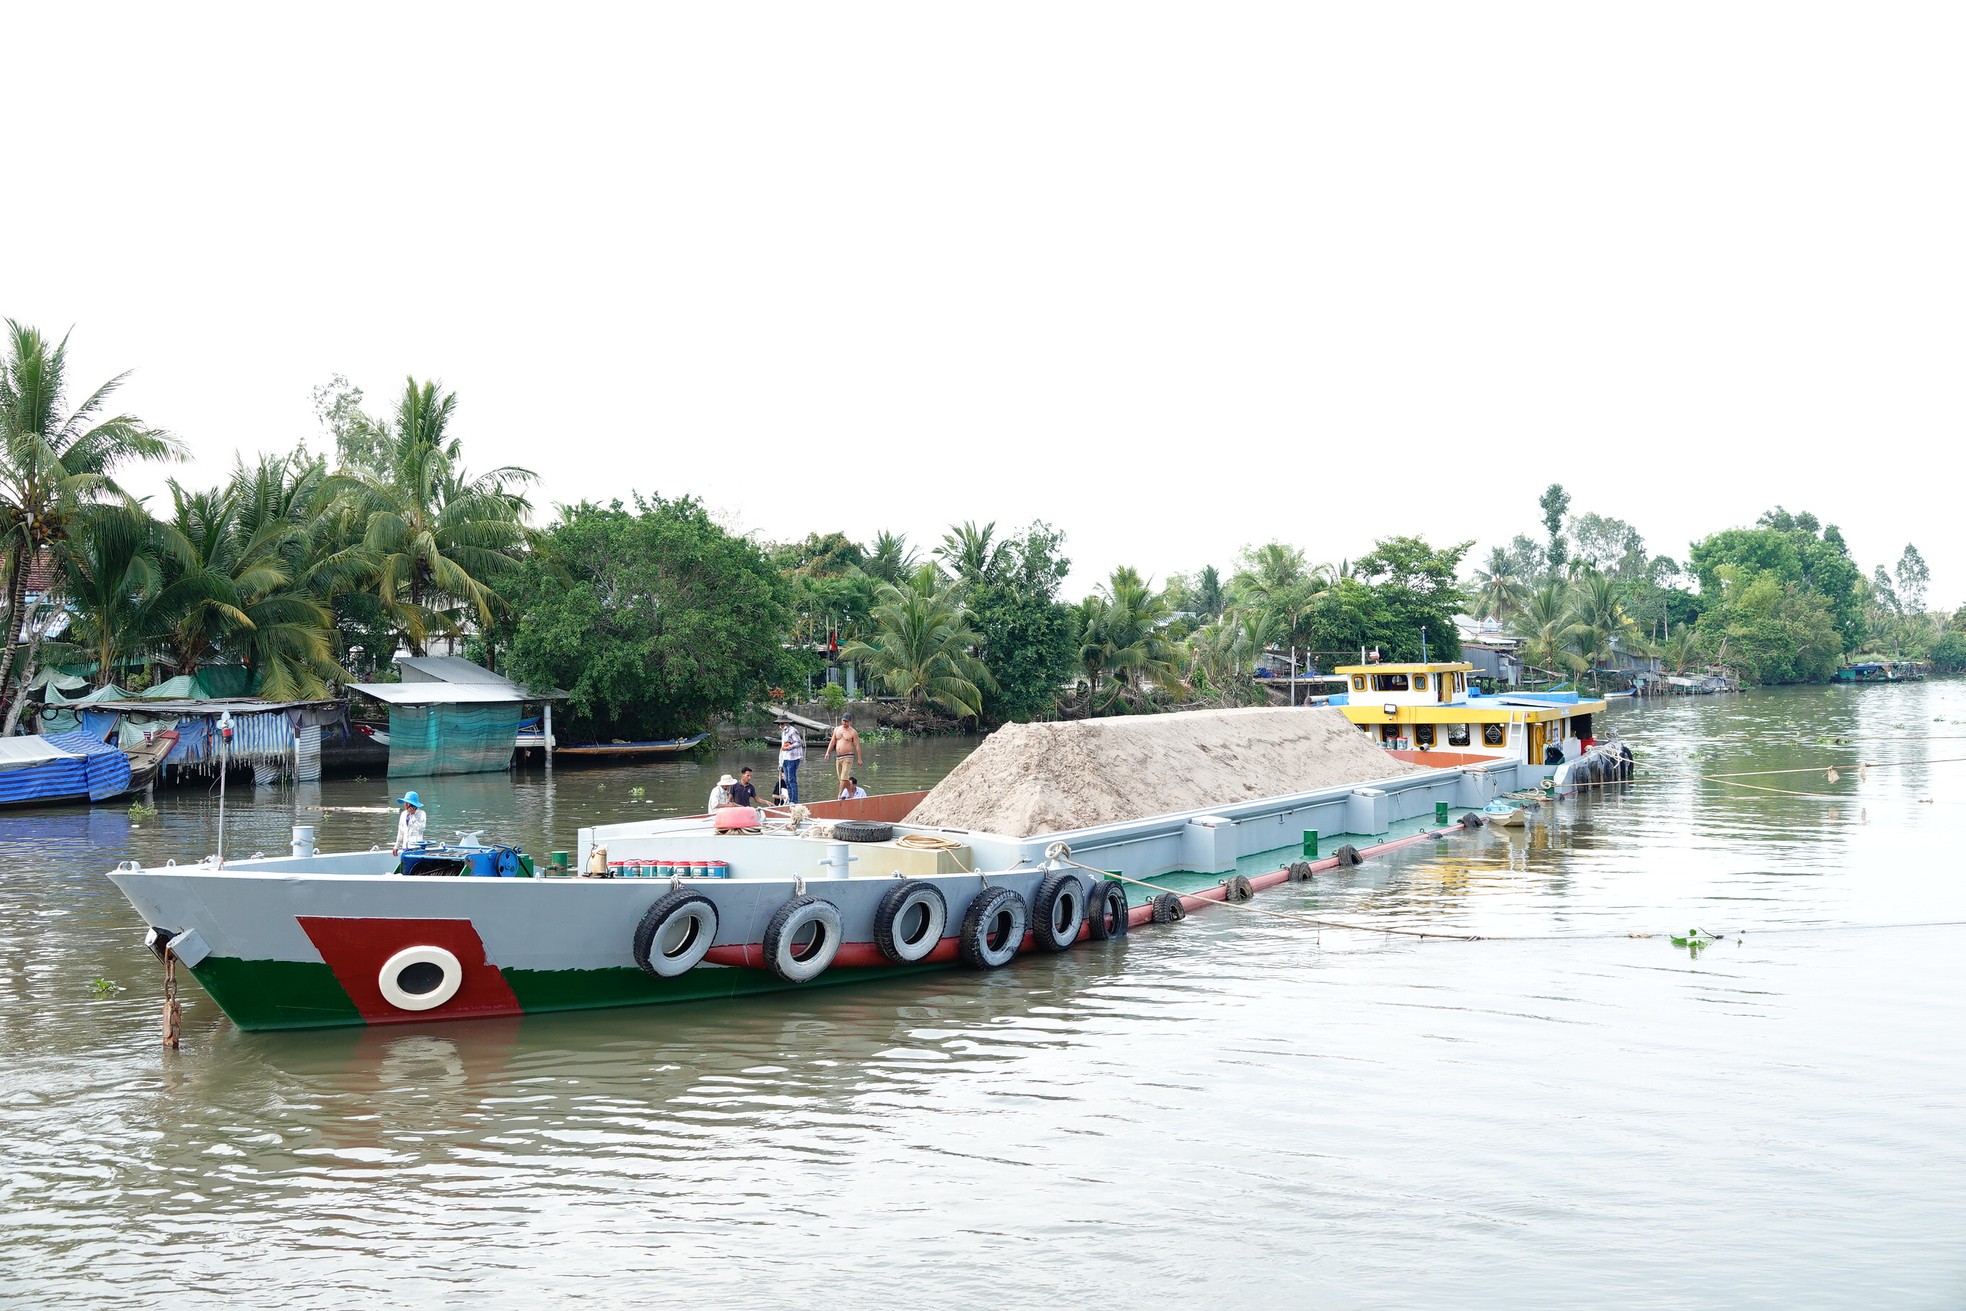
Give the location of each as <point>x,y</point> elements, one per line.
<point>1058,912</point>
<point>910,921</point>
<point>676,933</point>
<point>1106,911</point>
<point>1237,889</point>
<point>1168,908</point>
<point>802,939</point>
<point>993,928</point>
<point>1348,855</point>
<point>861,830</point>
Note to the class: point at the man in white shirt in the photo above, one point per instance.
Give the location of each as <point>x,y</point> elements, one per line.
<point>791,753</point>
<point>409,822</point>
<point>852,791</point>
<point>720,794</point>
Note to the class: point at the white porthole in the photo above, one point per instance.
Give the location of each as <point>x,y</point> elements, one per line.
<point>420,978</point>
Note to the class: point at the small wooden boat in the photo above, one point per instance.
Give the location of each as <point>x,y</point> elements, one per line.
<point>147,757</point>
<point>673,746</point>
<point>1505,814</point>
<point>1629,694</point>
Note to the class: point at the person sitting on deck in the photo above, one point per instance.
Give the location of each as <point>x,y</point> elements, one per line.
<point>720,794</point>
<point>744,794</point>
<point>852,791</point>
<point>409,822</point>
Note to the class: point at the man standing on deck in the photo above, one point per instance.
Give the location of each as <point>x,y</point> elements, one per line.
<point>791,752</point>
<point>845,750</point>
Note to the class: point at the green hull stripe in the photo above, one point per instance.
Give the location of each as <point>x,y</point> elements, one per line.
<point>271,994</point>
<point>276,994</point>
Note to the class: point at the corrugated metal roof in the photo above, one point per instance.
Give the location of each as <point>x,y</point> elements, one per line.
<point>456,670</point>
<point>441,694</point>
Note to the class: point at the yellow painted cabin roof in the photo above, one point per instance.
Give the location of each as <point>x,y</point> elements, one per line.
<point>1416,668</point>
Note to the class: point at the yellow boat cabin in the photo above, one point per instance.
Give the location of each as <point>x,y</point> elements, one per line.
<point>1427,713</point>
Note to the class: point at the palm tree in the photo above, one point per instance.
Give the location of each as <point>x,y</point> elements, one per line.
<point>972,554</point>
<point>891,560</point>
<point>1221,655</point>
<point>110,574</point>
<point>1497,591</point>
<point>1124,647</point>
<point>1544,623</point>
<point>54,464</point>
<point>437,538</point>
<point>919,646</point>
<point>249,575</point>
<point>1680,652</point>
<point>1601,621</point>
<point>1275,580</point>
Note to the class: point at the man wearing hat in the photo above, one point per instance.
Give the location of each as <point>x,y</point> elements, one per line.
<point>409,822</point>
<point>720,794</point>
<point>791,751</point>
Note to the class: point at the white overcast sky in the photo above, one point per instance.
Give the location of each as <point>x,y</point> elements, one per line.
<point>1176,278</point>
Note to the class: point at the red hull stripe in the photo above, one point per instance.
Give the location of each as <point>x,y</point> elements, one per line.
<point>356,948</point>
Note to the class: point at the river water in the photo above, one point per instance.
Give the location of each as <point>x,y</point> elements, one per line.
<point>1237,1109</point>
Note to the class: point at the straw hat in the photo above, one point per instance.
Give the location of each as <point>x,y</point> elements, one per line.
<point>727,782</point>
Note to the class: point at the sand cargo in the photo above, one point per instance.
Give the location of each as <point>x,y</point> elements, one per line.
<point>678,910</point>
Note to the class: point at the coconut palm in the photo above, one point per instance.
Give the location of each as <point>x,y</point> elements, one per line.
<point>110,576</point>
<point>54,462</point>
<point>972,554</point>
<point>890,560</point>
<point>919,645</point>
<point>1497,590</point>
<point>1124,648</point>
<point>1601,623</point>
<point>1275,580</point>
<point>1220,656</point>
<point>438,539</point>
<point>1544,623</point>
<point>248,577</point>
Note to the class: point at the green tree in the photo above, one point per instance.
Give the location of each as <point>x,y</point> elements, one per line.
<point>1221,657</point>
<point>1555,502</point>
<point>1788,547</point>
<point>1124,648</point>
<point>890,559</point>
<point>1276,582</point>
<point>1029,640</point>
<point>1775,632</point>
<point>1497,589</point>
<point>654,620</point>
<point>919,645</point>
<point>110,577</point>
<point>972,554</point>
<point>1601,624</point>
<point>54,462</point>
<point>1418,589</point>
<point>1544,625</point>
<point>440,540</point>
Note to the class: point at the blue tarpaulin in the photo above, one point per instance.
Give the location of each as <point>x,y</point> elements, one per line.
<point>85,767</point>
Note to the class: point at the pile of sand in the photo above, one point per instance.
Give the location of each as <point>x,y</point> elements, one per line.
<point>1028,779</point>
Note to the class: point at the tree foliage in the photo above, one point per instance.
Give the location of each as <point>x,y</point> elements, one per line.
<point>653,619</point>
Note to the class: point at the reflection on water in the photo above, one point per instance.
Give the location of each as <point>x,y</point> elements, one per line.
<point>1238,1105</point>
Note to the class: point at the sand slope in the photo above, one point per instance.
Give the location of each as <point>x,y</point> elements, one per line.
<point>1027,779</point>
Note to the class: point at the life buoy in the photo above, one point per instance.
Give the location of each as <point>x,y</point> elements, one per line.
<point>676,933</point>
<point>420,978</point>
<point>802,939</point>
<point>1492,734</point>
<point>910,920</point>
<point>1106,912</point>
<point>993,928</point>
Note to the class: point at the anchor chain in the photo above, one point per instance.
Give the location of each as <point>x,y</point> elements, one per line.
<point>173,1012</point>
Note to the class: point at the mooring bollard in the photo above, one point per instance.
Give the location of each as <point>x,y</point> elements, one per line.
<point>1440,812</point>
<point>1310,844</point>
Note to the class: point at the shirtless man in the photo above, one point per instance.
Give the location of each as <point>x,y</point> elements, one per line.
<point>844,749</point>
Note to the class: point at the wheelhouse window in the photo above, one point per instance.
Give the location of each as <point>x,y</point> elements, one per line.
<point>1460,682</point>
<point>1389,683</point>
<point>1358,682</point>
<point>1423,734</point>
<point>1457,735</point>
<point>1419,682</point>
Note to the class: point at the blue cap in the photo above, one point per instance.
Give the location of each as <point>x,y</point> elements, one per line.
<point>410,799</point>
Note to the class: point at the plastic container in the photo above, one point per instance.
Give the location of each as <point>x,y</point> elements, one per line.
<point>719,869</point>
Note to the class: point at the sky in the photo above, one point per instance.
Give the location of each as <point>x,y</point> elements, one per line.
<point>1177,279</point>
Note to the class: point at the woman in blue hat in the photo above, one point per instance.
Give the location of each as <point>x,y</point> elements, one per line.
<point>409,824</point>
